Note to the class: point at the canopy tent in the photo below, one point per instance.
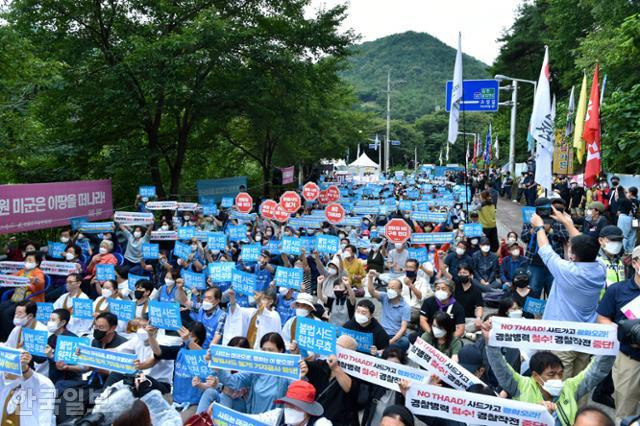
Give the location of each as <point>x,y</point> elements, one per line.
<point>364,166</point>
<point>363,162</point>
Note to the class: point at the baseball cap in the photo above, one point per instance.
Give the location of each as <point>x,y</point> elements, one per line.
<point>521,272</point>
<point>612,232</point>
<point>597,205</point>
<point>470,358</point>
<point>542,201</point>
<point>302,395</point>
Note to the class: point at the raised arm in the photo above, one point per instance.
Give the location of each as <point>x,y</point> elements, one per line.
<point>372,291</point>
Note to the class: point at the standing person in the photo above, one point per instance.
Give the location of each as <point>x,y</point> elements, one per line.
<point>594,219</point>
<point>627,211</point>
<point>507,185</point>
<point>487,217</point>
<point>530,188</point>
<point>396,314</point>
<point>577,283</point>
<point>576,199</point>
<point>626,369</point>
<point>135,239</point>
<point>610,254</point>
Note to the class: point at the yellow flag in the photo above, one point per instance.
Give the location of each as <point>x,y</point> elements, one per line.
<point>578,143</point>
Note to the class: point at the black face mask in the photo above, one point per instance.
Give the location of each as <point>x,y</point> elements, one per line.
<point>339,293</point>
<point>411,274</point>
<point>139,294</point>
<point>521,283</point>
<point>99,334</point>
<point>464,279</point>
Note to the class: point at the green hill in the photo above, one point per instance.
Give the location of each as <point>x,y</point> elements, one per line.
<point>419,62</point>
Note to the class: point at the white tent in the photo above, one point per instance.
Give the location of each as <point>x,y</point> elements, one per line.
<point>364,166</point>
<point>363,162</point>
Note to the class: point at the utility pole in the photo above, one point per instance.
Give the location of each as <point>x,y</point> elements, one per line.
<point>386,142</point>
<point>512,130</point>
<point>379,148</point>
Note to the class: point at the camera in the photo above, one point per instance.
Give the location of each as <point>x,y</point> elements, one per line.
<point>544,211</point>
<point>629,332</point>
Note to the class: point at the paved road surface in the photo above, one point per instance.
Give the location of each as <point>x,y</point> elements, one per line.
<point>509,217</point>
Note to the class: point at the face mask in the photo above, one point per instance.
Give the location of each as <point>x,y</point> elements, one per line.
<point>485,249</point>
<point>186,218</point>
<point>194,247</point>
<point>438,332</point>
<point>442,295</point>
<point>302,312</point>
<point>521,283</point>
<point>52,326</point>
<point>169,282</point>
<point>613,247</point>
<point>338,293</point>
<point>64,240</point>
<point>553,387</point>
<point>20,322</point>
<point>348,255</point>
<point>165,227</point>
<point>207,306</point>
<point>411,274</point>
<point>142,334</point>
<point>511,240</point>
<point>392,294</point>
<point>515,253</point>
<point>258,238</point>
<point>398,246</point>
<point>69,256</point>
<point>283,291</point>
<point>343,246</point>
<point>107,293</point>
<point>139,294</point>
<point>460,251</point>
<point>293,416</point>
<point>474,241</point>
<point>215,252</point>
<point>515,314</point>
<point>99,334</point>
<point>463,278</point>
<point>137,234</point>
<point>361,319</point>
<point>29,265</point>
<point>103,250</point>
<point>332,271</point>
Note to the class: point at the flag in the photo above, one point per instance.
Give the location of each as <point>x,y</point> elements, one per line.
<point>571,109</point>
<point>456,94</point>
<point>578,143</point>
<point>496,148</point>
<point>487,147</point>
<point>440,157</point>
<point>377,142</point>
<point>447,156</point>
<point>475,148</point>
<point>591,133</point>
<point>604,86</point>
<point>542,126</point>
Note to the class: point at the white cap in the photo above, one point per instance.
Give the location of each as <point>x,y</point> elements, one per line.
<point>305,299</point>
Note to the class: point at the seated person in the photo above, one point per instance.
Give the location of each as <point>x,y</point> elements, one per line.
<point>444,301</point>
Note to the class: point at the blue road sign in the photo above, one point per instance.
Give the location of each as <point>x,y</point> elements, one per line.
<point>478,95</point>
<point>395,143</point>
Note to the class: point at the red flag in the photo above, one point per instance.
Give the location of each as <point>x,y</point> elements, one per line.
<point>591,133</point>
<point>475,149</point>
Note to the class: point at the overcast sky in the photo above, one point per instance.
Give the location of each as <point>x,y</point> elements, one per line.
<point>481,21</point>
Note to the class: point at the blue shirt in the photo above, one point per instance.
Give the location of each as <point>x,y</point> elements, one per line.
<point>285,307</point>
<point>576,288</point>
<point>616,296</point>
<point>210,322</point>
<point>393,314</point>
<point>264,390</point>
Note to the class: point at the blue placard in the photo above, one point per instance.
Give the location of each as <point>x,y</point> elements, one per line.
<point>428,216</point>
<point>56,249</point>
<point>527,212</point>
<point>96,227</point>
<point>316,336</point>
<point>307,244</point>
<point>66,348</point>
<point>289,277</point>
<point>194,364</point>
<point>432,238</point>
<point>534,306</point>
<point>237,232</point>
<point>75,222</point>
<point>472,230</point>
<point>216,241</point>
<point>132,280</point>
<point>291,245</point>
<point>10,361</point>
<point>210,210</point>
<point>216,189</point>
<point>477,95</point>
<point>182,250</point>
<point>250,361</point>
<point>329,244</point>
<point>251,252</point>
<point>44,311</point>
<point>305,222</point>
<point>243,282</point>
<point>243,217</point>
<point>364,340</point>
<point>222,415</point>
<point>34,341</point>
<point>351,221</point>
<point>82,308</point>
<point>419,253</point>
<point>84,245</point>
<point>105,272</point>
<point>150,251</point>
<point>273,247</point>
<point>107,360</point>
<point>186,232</point>
<point>406,205</point>
<point>194,280</point>
<point>147,191</point>
<point>227,202</point>
<point>125,310</point>
<point>165,315</point>
<point>221,272</point>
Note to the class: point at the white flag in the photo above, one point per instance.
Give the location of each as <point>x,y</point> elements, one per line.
<point>456,94</point>
<point>447,156</point>
<point>496,148</point>
<point>440,157</point>
<point>542,126</point>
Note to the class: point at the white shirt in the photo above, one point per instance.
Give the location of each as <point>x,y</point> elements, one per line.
<point>237,324</point>
<point>409,296</point>
<point>286,331</point>
<point>79,327</point>
<point>38,395</point>
<point>398,258</point>
<point>162,371</point>
<point>14,338</point>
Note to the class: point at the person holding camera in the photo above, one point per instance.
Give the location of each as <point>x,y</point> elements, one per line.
<point>626,369</point>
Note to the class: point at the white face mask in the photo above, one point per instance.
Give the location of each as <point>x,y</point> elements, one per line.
<point>511,240</point>
<point>107,293</point>
<point>361,319</point>
<point>460,251</point>
<point>258,238</point>
<point>392,294</point>
<point>332,271</point>
<point>441,295</point>
<point>142,334</point>
<point>165,227</point>
<point>137,234</point>
<point>293,416</point>
<point>103,250</point>
<point>283,291</point>
<point>613,247</point>
<point>485,249</point>
<point>169,281</point>
<point>207,306</point>
<point>553,387</point>
<point>20,322</point>
<point>438,332</point>
<point>348,255</point>
<point>64,239</point>
<point>29,265</point>
<point>474,241</point>
<point>398,246</point>
<point>52,326</point>
<point>302,312</point>
<point>515,252</point>
<point>515,314</point>
<point>69,256</point>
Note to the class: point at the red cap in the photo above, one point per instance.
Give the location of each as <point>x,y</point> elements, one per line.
<point>302,394</point>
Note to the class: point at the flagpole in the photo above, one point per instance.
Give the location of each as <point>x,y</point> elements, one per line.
<point>464,143</point>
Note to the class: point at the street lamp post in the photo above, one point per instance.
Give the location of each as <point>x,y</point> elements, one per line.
<point>514,110</point>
